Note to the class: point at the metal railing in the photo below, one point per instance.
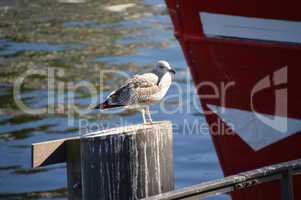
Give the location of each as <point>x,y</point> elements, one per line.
<point>282,171</point>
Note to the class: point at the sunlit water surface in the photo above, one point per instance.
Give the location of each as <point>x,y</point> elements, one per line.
<point>78,39</point>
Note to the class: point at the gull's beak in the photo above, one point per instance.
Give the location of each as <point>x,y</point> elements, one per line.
<point>172,71</point>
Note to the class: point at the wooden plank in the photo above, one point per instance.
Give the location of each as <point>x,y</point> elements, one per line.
<point>49,152</point>
<point>129,162</point>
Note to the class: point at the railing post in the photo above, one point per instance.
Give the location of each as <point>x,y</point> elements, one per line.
<point>286,184</point>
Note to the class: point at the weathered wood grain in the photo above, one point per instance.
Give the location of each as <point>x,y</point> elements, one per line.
<point>73,169</point>
<point>130,162</point>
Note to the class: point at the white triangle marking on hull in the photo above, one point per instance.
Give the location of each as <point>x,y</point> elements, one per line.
<point>252,130</point>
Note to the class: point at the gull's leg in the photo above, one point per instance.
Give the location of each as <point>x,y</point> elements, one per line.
<point>143,115</point>
<point>149,114</point>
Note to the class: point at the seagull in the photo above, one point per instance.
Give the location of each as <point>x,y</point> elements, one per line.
<point>142,90</point>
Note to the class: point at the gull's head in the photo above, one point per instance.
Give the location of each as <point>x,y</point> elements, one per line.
<point>163,67</point>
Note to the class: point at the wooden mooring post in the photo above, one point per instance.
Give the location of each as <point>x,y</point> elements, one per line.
<point>129,162</point>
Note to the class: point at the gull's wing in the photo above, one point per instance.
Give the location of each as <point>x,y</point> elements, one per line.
<point>144,87</point>
<point>151,77</point>
<point>137,90</point>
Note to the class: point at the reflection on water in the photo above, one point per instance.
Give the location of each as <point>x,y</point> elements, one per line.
<point>11,48</point>
<point>82,38</point>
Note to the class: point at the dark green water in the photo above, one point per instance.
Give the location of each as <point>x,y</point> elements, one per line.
<point>76,41</point>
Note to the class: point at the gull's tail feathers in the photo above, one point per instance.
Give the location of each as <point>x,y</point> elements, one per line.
<point>105,105</point>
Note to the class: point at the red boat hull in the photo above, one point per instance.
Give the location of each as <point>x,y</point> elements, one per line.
<point>244,63</point>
